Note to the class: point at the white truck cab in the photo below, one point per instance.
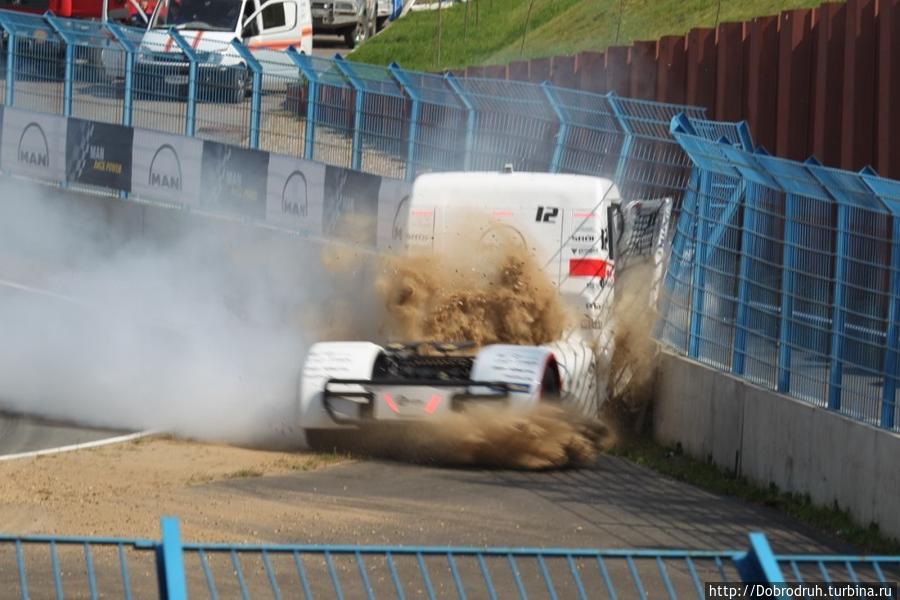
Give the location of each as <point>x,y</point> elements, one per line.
<point>568,224</point>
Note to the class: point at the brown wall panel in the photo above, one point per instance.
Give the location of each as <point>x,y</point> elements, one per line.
<point>518,70</point>
<point>618,70</point>
<point>888,98</point>
<point>671,71</point>
<point>562,71</point>
<point>539,70</point>
<point>794,66</point>
<point>828,77</point>
<point>762,80</point>
<point>496,71</point>
<point>730,72</point>
<point>591,70</point>
<point>858,109</point>
<point>701,69</point>
<point>643,70</point>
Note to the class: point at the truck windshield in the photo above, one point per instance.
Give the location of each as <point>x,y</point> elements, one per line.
<point>208,15</point>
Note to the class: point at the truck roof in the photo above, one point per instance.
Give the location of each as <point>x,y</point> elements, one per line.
<point>501,189</point>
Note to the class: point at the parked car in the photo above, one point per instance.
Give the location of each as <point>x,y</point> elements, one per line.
<point>353,19</point>
<point>161,68</point>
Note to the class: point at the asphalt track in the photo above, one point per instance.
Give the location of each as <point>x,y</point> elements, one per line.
<point>20,434</point>
<point>614,504</point>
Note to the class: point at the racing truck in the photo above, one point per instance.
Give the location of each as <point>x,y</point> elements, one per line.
<point>569,223</point>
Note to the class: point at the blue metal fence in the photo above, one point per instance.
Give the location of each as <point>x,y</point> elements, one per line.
<point>384,120</point>
<point>44,566</point>
<point>788,274</point>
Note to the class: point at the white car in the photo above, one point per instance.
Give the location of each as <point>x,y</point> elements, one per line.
<point>208,27</point>
<point>568,224</point>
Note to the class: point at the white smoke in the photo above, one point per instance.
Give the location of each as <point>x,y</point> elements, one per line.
<point>197,329</point>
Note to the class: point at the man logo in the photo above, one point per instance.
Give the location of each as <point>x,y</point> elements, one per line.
<point>294,195</point>
<point>165,169</point>
<point>398,228</point>
<point>33,148</point>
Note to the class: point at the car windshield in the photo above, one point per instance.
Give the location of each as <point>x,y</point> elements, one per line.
<point>209,15</point>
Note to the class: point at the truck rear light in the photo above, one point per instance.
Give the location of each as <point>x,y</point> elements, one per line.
<point>433,403</point>
<point>389,400</point>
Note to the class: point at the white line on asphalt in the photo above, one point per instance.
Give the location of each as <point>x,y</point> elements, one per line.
<point>96,443</point>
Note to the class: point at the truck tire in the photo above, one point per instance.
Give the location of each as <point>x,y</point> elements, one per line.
<point>354,36</point>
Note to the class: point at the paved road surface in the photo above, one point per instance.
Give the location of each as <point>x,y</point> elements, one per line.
<point>24,434</point>
<point>615,504</point>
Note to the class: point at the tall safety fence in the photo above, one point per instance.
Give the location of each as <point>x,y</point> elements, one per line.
<point>384,120</point>
<point>173,570</point>
<point>787,274</point>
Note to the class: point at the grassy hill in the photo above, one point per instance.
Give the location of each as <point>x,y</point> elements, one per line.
<point>493,31</point>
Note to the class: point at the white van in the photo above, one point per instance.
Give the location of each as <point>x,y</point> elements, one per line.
<point>209,26</point>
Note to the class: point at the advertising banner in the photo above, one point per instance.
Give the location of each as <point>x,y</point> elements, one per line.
<point>295,194</point>
<point>234,180</point>
<point>351,205</point>
<point>393,208</point>
<point>166,167</point>
<point>34,145</point>
<point>98,154</point>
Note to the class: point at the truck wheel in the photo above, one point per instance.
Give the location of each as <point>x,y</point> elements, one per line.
<point>241,86</point>
<point>355,36</point>
<point>380,23</point>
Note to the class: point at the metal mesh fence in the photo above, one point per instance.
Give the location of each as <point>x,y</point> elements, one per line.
<point>788,274</point>
<point>386,121</point>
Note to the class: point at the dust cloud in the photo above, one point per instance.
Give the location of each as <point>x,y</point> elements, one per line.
<point>199,329</point>
<point>633,368</point>
<point>546,437</point>
<point>482,294</point>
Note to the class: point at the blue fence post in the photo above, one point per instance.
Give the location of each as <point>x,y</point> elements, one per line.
<point>359,89</point>
<point>698,278</point>
<point>190,121</point>
<point>748,223</point>
<point>70,62</point>
<point>256,93</point>
<point>170,562</point>
<point>786,314</point>
<point>625,153</point>
<point>891,353</point>
<point>563,134</point>
<point>130,51</point>
<point>10,66</point>
<point>470,122</point>
<point>759,564</point>
<point>839,314</point>
<point>10,58</point>
<point>312,81</point>
<point>403,81</point>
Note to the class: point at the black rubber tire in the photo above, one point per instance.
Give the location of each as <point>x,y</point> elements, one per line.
<point>354,36</point>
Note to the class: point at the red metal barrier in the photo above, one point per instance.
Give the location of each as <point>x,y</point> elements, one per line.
<point>823,81</point>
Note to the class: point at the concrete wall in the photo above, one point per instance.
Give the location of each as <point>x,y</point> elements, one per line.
<point>770,438</point>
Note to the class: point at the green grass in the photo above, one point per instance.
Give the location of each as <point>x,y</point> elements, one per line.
<point>555,27</point>
<point>832,520</point>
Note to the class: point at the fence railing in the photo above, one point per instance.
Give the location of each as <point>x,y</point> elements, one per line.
<point>45,566</point>
<point>383,120</point>
<point>788,274</point>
